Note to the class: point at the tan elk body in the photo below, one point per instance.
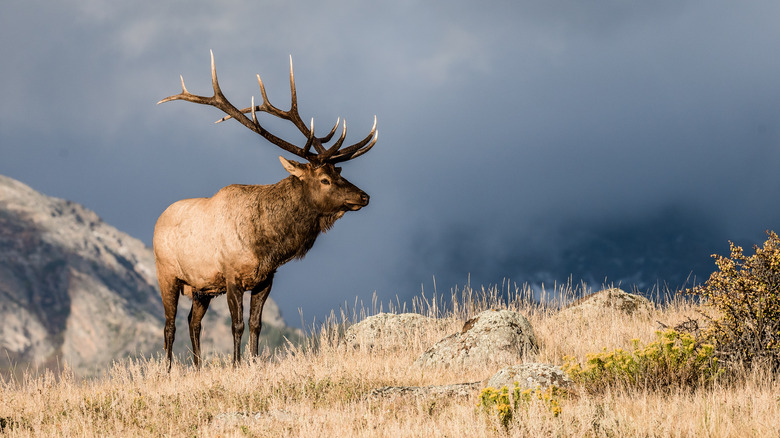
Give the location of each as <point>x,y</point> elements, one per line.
<point>234,241</point>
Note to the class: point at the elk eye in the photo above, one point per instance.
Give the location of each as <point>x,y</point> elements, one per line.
<point>325,181</point>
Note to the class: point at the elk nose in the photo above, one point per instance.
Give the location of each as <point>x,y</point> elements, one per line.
<point>364,197</point>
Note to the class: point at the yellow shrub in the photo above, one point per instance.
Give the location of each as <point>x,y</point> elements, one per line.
<point>745,292</point>
<point>673,360</point>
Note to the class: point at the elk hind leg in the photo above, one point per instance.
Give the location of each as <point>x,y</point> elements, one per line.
<point>259,295</point>
<point>235,300</point>
<point>200,304</point>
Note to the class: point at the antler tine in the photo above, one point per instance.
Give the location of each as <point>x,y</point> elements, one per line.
<point>295,118</point>
<point>183,87</point>
<point>175,97</point>
<point>218,99</point>
<point>358,148</point>
<point>310,140</point>
<point>336,146</point>
<point>293,94</point>
<point>214,81</point>
<point>265,107</point>
<point>344,157</point>
<point>332,131</point>
<point>367,148</point>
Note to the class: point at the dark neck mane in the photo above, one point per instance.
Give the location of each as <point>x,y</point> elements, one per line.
<point>288,223</point>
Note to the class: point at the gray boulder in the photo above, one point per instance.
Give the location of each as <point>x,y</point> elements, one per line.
<point>492,337</point>
<point>389,330</point>
<point>530,376</point>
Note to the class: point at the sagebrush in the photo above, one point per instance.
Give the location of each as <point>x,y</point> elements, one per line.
<point>744,295</point>
<point>673,361</point>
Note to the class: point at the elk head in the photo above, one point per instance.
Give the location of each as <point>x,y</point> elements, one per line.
<point>326,188</point>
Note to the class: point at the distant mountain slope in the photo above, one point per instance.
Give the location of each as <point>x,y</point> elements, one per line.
<point>668,249</point>
<point>75,289</point>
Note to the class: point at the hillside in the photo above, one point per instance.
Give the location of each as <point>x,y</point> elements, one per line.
<point>381,390</point>
<point>74,289</point>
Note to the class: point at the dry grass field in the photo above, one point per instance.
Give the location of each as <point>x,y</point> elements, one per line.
<point>322,388</point>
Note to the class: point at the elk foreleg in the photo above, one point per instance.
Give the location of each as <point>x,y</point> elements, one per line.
<point>200,304</point>
<point>235,299</point>
<point>259,295</point>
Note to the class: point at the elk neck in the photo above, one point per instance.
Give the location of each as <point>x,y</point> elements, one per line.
<point>286,222</point>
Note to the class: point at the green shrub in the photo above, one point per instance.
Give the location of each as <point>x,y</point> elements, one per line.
<point>674,360</point>
<point>498,402</point>
<point>745,293</point>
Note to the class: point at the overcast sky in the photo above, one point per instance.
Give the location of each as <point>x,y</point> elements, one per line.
<point>502,122</point>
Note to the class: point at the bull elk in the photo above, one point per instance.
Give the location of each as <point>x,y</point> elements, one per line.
<point>234,241</point>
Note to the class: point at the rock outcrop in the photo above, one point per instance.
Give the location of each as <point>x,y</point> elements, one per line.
<point>494,337</point>
<point>530,376</point>
<point>389,330</point>
<point>609,300</point>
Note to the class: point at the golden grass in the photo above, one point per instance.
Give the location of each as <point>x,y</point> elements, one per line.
<point>321,389</point>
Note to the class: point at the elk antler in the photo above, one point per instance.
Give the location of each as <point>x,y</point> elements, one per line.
<point>333,154</point>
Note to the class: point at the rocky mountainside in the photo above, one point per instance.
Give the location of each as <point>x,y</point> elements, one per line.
<point>74,289</point>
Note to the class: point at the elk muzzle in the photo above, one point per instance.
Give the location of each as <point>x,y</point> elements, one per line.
<point>360,201</point>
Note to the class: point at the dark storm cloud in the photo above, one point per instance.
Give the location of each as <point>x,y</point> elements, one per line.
<point>505,128</point>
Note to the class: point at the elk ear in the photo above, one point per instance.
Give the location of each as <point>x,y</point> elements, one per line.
<point>295,168</point>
